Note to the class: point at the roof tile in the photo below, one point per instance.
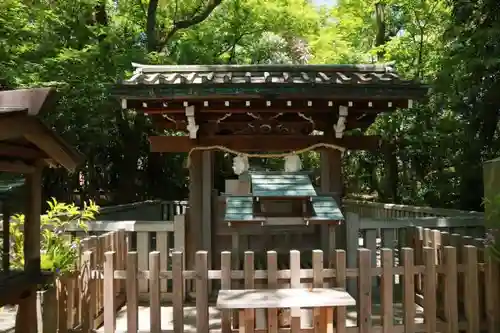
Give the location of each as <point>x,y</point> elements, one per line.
<point>259,74</point>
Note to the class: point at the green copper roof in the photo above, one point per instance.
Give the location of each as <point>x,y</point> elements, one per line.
<point>327,209</point>
<point>283,184</point>
<point>240,209</point>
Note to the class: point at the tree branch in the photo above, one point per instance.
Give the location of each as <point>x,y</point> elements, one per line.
<point>195,19</point>
<point>151,25</point>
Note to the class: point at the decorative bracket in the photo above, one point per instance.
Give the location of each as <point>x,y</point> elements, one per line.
<point>191,126</point>
<point>339,127</point>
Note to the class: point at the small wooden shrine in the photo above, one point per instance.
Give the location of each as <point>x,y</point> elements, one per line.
<point>285,109</point>
<point>281,198</point>
<point>26,147</point>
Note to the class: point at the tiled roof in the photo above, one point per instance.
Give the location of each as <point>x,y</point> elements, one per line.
<point>264,74</point>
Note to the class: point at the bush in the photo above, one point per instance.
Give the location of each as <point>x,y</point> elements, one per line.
<point>59,253</point>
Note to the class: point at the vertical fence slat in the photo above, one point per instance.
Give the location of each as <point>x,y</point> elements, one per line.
<point>418,244</point>
<point>387,292</point>
<point>352,245</point>
<point>317,266</point>
<point>457,242</point>
<point>109,292</point>
<point>178,291</point>
<point>179,239</point>
<point>272,283</point>
<point>202,292</point>
<point>143,252</point>
<point>408,290</point>
<point>101,249</point>
<point>492,276</point>
<point>471,288</point>
<point>450,288</point>
<point>295,283</point>
<point>371,244</point>
<point>162,247</point>
<point>429,292</point>
<point>120,256</point>
<point>70,301</point>
<point>93,284</point>
<point>248,269</point>
<point>340,282</point>
<point>364,291</point>
<point>86,299</point>
<point>225,264</point>
<point>62,322</point>
<point>154,292</point>
<point>132,290</point>
<point>114,246</point>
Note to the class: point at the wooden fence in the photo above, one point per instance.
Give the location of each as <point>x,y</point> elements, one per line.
<point>78,303</point>
<point>444,288</point>
<point>391,284</point>
<point>388,210</point>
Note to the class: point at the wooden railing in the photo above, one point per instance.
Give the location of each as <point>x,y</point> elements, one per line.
<point>449,276</point>
<point>377,233</point>
<point>79,304</point>
<point>434,280</point>
<point>388,210</point>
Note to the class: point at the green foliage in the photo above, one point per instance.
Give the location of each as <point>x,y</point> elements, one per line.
<point>82,46</point>
<point>58,252</point>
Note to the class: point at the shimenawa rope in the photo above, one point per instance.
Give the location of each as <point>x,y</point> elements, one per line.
<point>280,155</point>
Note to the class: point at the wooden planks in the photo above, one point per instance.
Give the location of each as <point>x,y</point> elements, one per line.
<point>283,298</point>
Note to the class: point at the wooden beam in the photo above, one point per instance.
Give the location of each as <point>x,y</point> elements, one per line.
<point>15,150</point>
<point>231,125</point>
<point>270,143</point>
<point>12,125</point>
<point>16,167</point>
<point>239,104</point>
<point>44,139</point>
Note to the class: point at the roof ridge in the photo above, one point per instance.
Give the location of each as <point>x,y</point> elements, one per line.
<point>378,68</point>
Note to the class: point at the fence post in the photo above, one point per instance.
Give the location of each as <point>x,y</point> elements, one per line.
<point>492,293</point>
<point>179,232</point>
<point>202,317</point>
<point>352,224</point>
<point>179,245</point>
<point>132,292</point>
<point>109,292</point>
<point>178,291</point>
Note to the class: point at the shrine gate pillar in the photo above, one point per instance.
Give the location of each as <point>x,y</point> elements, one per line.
<point>194,220</point>
<point>331,182</point>
<point>199,226</point>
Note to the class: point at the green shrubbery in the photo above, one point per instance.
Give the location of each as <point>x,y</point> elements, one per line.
<point>59,253</point>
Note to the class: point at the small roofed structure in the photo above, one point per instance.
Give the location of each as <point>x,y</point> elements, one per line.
<point>299,201</point>
<point>27,145</point>
<point>265,111</point>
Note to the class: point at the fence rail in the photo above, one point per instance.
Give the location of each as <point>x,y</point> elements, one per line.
<point>436,284</point>
<point>433,281</point>
<point>387,210</point>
